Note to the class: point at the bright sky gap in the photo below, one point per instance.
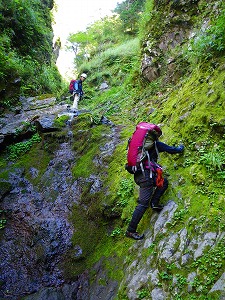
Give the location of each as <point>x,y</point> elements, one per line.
<point>73,16</point>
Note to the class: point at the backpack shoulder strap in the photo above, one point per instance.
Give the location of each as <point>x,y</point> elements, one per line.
<point>157,151</point>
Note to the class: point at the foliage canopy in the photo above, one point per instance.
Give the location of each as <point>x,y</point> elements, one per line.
<point>26,48</point>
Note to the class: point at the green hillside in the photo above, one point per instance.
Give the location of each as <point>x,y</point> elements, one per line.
<point>27,61</point>
<point>187,100</point>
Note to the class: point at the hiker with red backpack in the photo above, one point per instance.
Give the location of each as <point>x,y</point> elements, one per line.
<point>143,152</point>
<point>76,90</point>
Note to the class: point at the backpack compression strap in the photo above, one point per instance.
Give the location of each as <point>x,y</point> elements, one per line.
<point>149,160</point>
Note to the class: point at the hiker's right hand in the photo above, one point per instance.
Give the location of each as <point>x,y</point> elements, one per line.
<point>180,148</point>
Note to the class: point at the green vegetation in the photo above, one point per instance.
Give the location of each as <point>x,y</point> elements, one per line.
<point>22,147</point>
<point>2,220</point>
<point>207,269</point>
<point>26,58</point>
<point>143,293</point>
<point>129,13</point>
<point>187,100</point>
<point>209,42</point>
<point>60,122</point>
<point>125,191</point>
<point>107,33</point>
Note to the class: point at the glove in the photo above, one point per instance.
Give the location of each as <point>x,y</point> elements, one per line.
<point>180,148</point>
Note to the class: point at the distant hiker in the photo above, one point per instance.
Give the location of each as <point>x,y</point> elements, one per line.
<point>143,152</point>
<point>76,89</point>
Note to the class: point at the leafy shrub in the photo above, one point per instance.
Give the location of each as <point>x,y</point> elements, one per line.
<point>125,191</point>
<point>26,55</point>
<point>143,293</point>
<point>208,43</point>
<point>20,148</point>
<point>145,18</point>
<point>214,160</point>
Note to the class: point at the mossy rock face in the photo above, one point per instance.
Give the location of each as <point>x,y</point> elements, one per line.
<point>5,188</point>
<point>88,234</point>
<point>87,142</point>
<point>45,96</point>
<point>198,174</point>
<point>82,122</point>
<point>51,140</point>
<point>61,122</point>
<point>218,127</point>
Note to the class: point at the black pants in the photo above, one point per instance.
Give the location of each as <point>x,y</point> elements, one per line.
<point>148,191</point>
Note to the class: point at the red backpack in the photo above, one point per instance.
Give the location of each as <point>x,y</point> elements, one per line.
<point>142,140</point>
<point>71,86</point>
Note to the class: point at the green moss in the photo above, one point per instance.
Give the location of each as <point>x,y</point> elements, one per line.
<point>191,113</point>
<point>61,121</point>
<point>84,167</point>
<point>89,233</point>
<point>5,187</point>
<point>18,149</point>
<point>87,143</point>
<point>83,122</point>
<point>4,173</point>
<point>113,253</point>
<point>45,96</point>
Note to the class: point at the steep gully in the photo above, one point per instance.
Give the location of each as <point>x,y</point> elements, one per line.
<point>38,232</point>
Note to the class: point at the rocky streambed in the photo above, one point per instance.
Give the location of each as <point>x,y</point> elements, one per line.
<point>38,232</point>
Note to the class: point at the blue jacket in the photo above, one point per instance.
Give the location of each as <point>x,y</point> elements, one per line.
<point>162,147</point>
<point>78,87</point>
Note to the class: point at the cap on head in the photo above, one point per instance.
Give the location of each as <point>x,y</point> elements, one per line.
<point>83,75</point>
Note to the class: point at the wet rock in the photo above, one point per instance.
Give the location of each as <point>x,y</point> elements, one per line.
<point>184,116</point>
<point>167,248</point>
<point>46,123</point>
<point>97,184</point>
<point>16,126</point>
<point>38,232</point>
<point>78,252</point>
<point>33,103</point>
<point>150,69</point>
<point>207,240</point>
<point>190,279</point>
<point>219,285</point>
<point>34,172</point>
<point>164,217</point>
<point>104,86</point>
<point>103,287</point>
<point>66,292</point>
<point>158,294</point>
<point>106,121</point>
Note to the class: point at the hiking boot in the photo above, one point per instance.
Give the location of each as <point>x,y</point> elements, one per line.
<point>157,207</point>
<point>135,235</point>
